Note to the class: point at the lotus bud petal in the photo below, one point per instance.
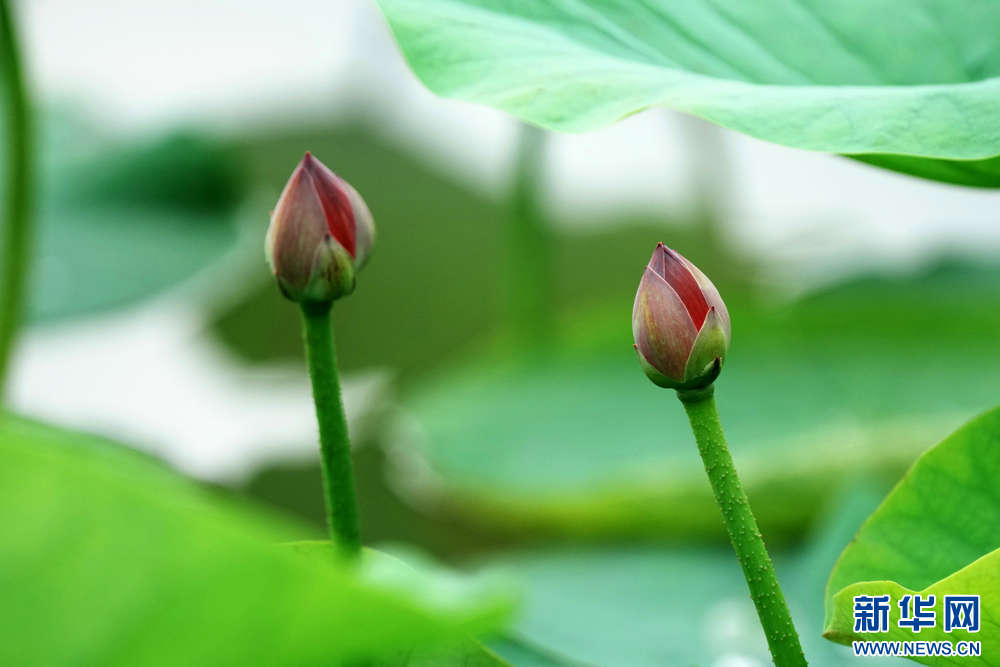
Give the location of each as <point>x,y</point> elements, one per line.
<point>321,234</point>
<point>679,323</point>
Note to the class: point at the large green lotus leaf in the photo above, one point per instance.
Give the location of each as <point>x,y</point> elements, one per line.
<point>652,606</point>
<point>860,379</point>
<point>977,579</point>
<point>523,654</point>
<point>936,533</point>
<point>107,558</point>
<point>421,577</point>
<point>470,654</point>
<point>842,76</point>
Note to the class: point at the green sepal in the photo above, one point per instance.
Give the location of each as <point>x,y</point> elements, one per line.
<point>708,353</point>
<point>705,361</point>
<point>703,379</point>
<point>332,273</point>
<point>656,376</point>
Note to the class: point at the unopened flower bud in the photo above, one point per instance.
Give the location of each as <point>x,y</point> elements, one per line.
<point>679,322</point>
<point>320,235</point>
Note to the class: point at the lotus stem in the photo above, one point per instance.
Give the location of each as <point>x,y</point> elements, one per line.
<point>17,191</point>
<point>529,255</point>
<point>335,446</point>
<point>782,639</point>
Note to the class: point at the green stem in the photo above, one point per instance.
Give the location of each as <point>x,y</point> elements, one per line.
<point>335,447</point>
<point>765,591</point>
<point>529,256</point>
<point>17,213</point>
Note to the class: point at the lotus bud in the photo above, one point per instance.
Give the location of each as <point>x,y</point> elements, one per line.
<point>320,235</point>
<point>679,322</point>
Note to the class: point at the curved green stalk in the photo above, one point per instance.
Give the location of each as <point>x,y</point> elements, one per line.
<point>18,188</point>
<point>782,639</point>
<point>335,447</point>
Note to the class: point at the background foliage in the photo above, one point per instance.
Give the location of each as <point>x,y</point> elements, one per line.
<point>553,458</point>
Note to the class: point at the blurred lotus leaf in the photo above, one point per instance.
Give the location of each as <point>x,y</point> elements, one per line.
<point>936,534</point>
<point>426,574</point>
<point>471,654</point>
<point>96,258</point>
<point>578,443</point>
<point>121,222</point>
<point>108,558</point>
<point>521,653</point>
<point>181,172</point>
<point>825,76</point>
<point>644,606</point>
<point>438,588</point>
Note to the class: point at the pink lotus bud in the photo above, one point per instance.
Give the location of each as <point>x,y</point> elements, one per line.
<point>320,235</point>
<point>680,325</point>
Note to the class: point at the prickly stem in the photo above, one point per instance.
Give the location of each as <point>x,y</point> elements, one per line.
<point>739,520</point>
<point>18,189</point>
<point>335,446</point>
